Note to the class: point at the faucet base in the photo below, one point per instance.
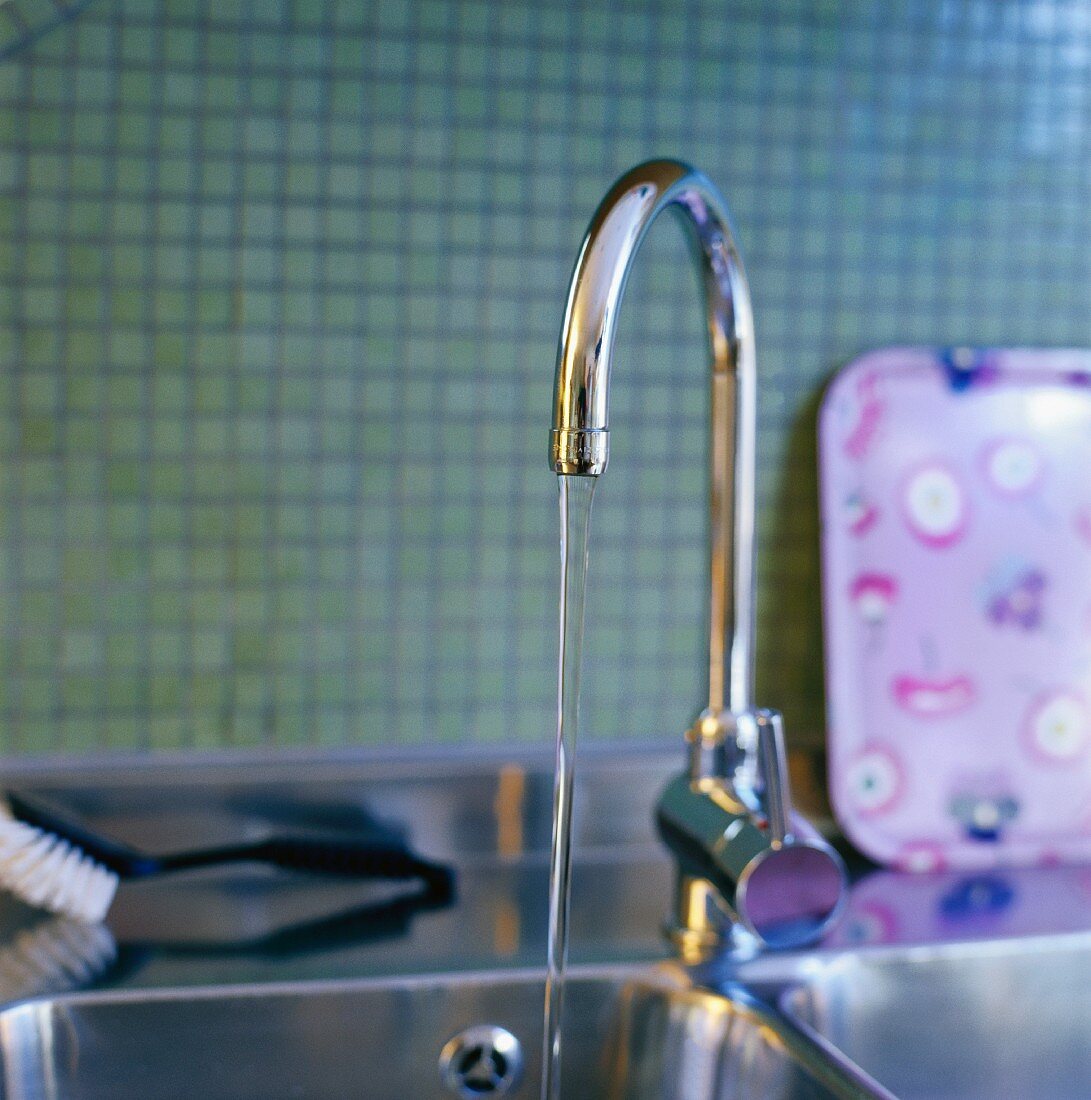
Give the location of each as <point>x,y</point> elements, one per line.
<point>695,930</point>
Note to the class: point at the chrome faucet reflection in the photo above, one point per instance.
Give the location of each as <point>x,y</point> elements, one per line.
<point>743,856</point>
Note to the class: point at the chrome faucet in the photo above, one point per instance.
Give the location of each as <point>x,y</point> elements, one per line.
<point>744,859</point>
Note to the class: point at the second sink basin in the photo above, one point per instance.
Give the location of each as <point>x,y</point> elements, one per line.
<point>970,1021</point>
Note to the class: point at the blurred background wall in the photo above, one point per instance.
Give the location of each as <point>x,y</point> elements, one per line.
<point>280,287</point>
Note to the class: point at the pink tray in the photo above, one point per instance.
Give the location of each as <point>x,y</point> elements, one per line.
<point>956,504</point>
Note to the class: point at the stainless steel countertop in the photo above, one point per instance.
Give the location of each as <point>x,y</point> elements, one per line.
<point>488,816</point>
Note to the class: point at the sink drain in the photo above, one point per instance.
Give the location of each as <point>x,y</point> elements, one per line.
<point>482,1061</point>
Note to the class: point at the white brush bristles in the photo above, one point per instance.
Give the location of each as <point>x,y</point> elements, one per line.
<point>43,870</point>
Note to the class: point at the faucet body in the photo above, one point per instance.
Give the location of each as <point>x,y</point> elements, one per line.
<point>741,852</point>
<point>581,436</point>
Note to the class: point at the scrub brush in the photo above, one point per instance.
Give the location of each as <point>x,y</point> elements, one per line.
<point>50,861</point>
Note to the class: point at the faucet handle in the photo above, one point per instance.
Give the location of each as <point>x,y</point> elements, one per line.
<point>776,795</point>
<point>747,749</point>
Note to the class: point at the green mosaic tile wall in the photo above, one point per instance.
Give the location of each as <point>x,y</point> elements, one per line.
<point>280,286</point>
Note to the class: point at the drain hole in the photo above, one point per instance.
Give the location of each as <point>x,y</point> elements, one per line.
<point>481,1061</point>
<point>481,1070</point>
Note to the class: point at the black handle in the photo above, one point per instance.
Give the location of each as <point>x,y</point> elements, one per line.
<point>328,856</point>
<point>343,856</point>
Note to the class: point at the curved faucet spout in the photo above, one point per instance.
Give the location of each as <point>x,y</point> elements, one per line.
<point>581,440</point>
<point>729,820</point>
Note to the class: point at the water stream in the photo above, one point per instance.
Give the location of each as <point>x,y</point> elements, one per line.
<point>576,494</point>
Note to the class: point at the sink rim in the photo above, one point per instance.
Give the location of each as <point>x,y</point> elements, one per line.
<point>316,987</point>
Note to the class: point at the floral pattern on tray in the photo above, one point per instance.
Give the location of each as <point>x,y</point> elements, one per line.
<point>956,532</point>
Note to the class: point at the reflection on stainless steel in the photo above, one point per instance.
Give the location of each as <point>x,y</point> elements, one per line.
<point>894,908</point>
<point>965,1021</point>
<point>919,1016</point>
<point>629,1037</point>
<point>490,818</point>
<point>728,821</point>
<point>953,1021</point>
<point>672,1040</point>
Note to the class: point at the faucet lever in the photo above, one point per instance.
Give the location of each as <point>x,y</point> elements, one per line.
<point>776,792</point>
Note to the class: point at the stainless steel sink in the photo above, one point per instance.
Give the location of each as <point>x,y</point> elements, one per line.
<point>192,1010</point>
<point>195,1012</point>
<point>972,1021</point>
<point>628,1034</point>
<point>1007,1019</point>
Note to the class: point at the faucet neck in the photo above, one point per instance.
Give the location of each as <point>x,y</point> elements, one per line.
<point>580,441</point>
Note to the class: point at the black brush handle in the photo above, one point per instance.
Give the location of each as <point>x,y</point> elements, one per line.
<point>328,856</point>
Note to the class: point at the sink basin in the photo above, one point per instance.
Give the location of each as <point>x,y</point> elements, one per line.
<point>628,1034</point>
<point>897,1002</point>
<point>972,1021</point>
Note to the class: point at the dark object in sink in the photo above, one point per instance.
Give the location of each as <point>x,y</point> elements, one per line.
<point>330,855</point>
